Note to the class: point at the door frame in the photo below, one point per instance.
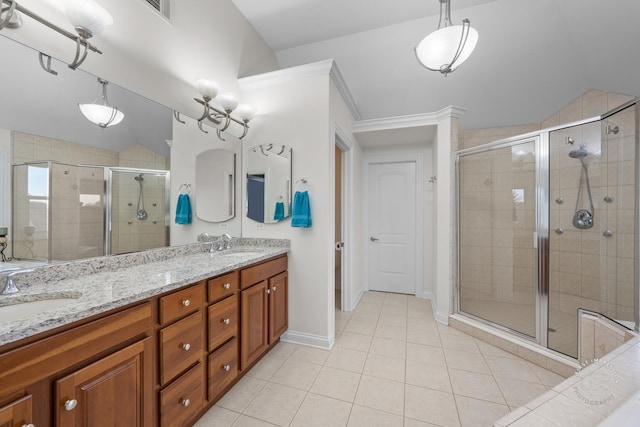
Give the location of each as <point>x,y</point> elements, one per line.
<point>418,159</point>
<point>345,145</point>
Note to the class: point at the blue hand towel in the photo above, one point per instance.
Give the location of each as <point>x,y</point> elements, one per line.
<point>301,215</point>
<point>183,209</point>
<point>278,215</point>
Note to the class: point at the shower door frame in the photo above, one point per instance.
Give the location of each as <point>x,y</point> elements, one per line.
<point>108,179</point>
<point>541,233</point>
<point>543,202</point>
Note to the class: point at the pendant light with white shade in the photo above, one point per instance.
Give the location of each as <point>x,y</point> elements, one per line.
<point>101,113</point>
<point>449,46</point>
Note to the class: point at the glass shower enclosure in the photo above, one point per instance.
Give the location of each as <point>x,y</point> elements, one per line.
<point>547,224</point>
<point>64,212</point>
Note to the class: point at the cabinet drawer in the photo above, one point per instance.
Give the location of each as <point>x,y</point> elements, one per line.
<point>180,303</point>
<point>180,346</point>
<point>223,321</point>
<point>260,272</point>
<point>18,413</point>
<point>223,368</point>
<point>183,399</point>
<point>223,286</point>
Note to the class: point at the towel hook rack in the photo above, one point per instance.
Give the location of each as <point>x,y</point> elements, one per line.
<point>188,188</point>
<point>302,180</point>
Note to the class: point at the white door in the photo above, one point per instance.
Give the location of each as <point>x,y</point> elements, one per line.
<point>392,227</point>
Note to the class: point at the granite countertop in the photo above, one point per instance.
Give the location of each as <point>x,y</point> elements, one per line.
<point>101,284</point>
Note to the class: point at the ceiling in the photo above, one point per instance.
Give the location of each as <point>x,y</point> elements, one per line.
<point>532,59</point>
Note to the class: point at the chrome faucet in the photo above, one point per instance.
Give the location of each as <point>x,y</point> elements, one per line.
<point>226,239</point>
<point>9,286</point>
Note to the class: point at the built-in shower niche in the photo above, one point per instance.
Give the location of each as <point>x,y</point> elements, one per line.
<point>547,226</point>
<point>61,211</point>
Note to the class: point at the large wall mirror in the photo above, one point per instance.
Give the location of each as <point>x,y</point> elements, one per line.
<point>215,185</point>
<point>268,183</point>
<point>40,122</point>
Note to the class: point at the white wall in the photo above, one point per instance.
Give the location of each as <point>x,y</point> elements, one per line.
<point>5,182</point>
<point>188,142</point>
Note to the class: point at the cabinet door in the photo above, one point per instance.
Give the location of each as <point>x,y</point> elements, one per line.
<point>108,392</point>
<point>278,306</point>
<point>254,333</point>
<point>17,413</point>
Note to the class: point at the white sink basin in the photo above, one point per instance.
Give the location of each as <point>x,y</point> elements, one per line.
<point>20,308</point>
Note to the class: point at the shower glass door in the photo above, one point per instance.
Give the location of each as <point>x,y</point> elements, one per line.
<point>139,210</point>
<point>592,175</point>
<point>497,241</point>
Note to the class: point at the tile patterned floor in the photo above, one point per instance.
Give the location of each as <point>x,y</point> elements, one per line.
<point>392,365</point>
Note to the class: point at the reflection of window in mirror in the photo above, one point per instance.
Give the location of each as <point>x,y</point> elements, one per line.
<point>268,183</point>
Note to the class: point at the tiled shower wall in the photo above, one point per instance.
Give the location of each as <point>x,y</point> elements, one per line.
<point>77,231</point>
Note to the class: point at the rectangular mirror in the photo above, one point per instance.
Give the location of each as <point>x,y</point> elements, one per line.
<point>269,183</point>
<point>215,185</point>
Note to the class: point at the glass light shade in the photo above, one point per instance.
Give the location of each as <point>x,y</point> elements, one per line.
<point>100,114</point>
<point>438,48</point>
<point>228,101</point>
<point>88,14</point>
<point>246,112</point>
<point>207,88</point>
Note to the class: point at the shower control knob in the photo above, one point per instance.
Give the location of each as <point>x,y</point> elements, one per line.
<point>608,233</point>
<point>608,199</point>
<point>560,200</point>
<point>559,231</point>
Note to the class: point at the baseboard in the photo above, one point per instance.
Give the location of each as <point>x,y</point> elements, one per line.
<point>310,340</point>
<point>441,317</point>
<point>426,295</point>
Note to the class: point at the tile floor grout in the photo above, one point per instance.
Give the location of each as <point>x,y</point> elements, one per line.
<point>316,387</point>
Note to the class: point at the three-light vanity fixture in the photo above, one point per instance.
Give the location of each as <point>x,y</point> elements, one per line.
<point>87,17</point>
<point>449,46</point>
<point>229,102</point>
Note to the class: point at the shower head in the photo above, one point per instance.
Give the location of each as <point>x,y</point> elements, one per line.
<point>580,153</point>
<point>138,178</point>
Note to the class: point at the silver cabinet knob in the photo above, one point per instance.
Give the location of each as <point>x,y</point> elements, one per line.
<point>274,289</point>
<point>268,291</point>
<point>70,405</point>
<point>227,368</point>
<point>227,285</point>
<point>186,347</point>
<point>186,303</point>
<point>186,402</point>
<point>28,425</point>
<point>226,321</point>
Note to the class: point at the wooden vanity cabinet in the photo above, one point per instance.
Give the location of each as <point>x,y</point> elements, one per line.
<point>223,329</point>
<point>100,370</point>
<point>181,350</point>
<point>18,413</point>
<point>263,308</point>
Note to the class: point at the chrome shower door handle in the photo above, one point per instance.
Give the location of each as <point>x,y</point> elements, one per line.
<point>373,239</point>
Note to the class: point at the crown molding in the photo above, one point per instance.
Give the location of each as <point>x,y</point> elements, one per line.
<point>414,120</point>
<point>313,69</point>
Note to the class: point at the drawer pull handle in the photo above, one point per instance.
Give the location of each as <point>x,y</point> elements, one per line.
<point>227,285</point>
<point>70,405</point>
<point>227,368</point>
<point>186,303</point>
<point>186,346</point>
<point>186,402</point>
<point>226,321</point>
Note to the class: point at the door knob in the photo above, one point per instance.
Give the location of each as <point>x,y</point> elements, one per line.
<point>373,239</point>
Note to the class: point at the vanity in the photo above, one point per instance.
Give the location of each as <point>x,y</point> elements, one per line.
<point>145,339</point>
